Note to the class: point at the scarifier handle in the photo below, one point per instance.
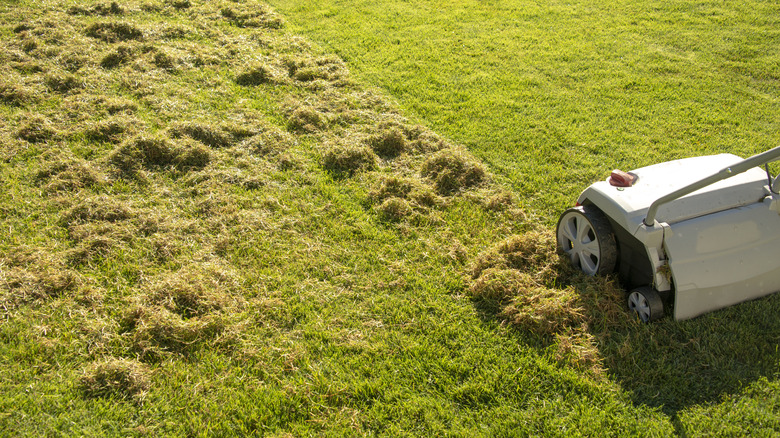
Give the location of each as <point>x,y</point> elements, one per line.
<point>725,173</point>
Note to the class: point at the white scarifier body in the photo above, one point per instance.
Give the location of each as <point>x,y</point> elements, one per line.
<point>699,233</point>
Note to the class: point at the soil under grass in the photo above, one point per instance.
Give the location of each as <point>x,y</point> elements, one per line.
<point>210,227</point>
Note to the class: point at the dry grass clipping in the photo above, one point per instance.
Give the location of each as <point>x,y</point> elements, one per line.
<point>121,55</point>
<point>157,332</point>
<point>307,120</point>
<point>63,83</point>
<point>63,173</point>
<point>182,310</point>
<point>255,16</point>
<point>98,208</point>
<point>111,32</point>
<point>453,170</point>
<point>197,291</point>
<point>389,143</point>
<point>538,291</point>
<point>420,195</point>
<point>271,141</point>
<point>30,274</point>
<point>205,133</point>
<point>99,10</point>
<point>579,349</point>
<point>36,129</point>
<point>544,310</point>
<point>255,75</point>
<point>112,130</point>
<point>348,159</point>
<point>533,253</point>
<point>394,209</point>
<point>121,378</point>
<point>14,94</point>
<point>157,152</point>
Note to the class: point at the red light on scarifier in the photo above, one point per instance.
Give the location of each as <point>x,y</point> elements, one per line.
<point>618,178</point>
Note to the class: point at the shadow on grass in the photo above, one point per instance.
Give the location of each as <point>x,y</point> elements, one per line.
<point>674,365</point>
<point>671,365</point>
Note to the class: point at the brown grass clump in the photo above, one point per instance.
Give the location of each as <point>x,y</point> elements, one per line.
<point>99,9</point>
<point>500,201</point>
<point>112,32</point>
<point>98,208</point>
<point>242,129</point>
<point>110,131</point>
<point>207,134</point>
<point>72,62</point>
<point>395,187</point>
<point>22,27</point>
<point>182,310</point>
<point>603,301</point>
<point>501,284</point>
<point>534,251</point>
<point>389,143</point>
<point>90,249</point>
<point>196,292</point>
<point>579,350</point>
<point>271,141</point>
<point>523,271</point>
<point>118,105</point>
<point>36,130</point>
<point>63,83</point>
<point>394,209</point>
<point>121,55</point>
<point>420,195</point>
<point>513,273</point>
<point>537,290</point>
<point>259,16</point>
<point>164,60</point>
<point>427,143</point>
<point>180,4</point>
<point>157,332</point>
<point>27,67</point>
<point>174,32</point>
<point>348,159</point>
<point>153,152</point>
<point>121,378</point>
<point>544,310</point>
<point>29,44</point>
<point>64,174</point>
<point>331,69</point>
<point>255,75</point>
<point>417,139</point>
<point>32,274</point>
<point>189,154</point>
<point>452,171</point>
<point>306,120</point>
<point>14,94</point>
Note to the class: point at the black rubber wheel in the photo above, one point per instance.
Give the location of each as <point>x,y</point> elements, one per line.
<point>646,303</point>
<point>585,235</point>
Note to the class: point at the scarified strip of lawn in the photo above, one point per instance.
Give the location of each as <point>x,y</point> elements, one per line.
<point>555,95</point>
<point>210,226</point>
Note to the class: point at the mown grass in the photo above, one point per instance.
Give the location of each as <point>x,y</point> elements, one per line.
<point>210,227</point>
<point>553,96</point>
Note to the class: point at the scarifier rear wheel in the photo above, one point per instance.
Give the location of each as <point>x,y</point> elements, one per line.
<point>585,235</point>
<point>646,303</point>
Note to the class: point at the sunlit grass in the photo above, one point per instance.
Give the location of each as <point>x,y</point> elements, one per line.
<point>553,96</point>
<point>212,226</point>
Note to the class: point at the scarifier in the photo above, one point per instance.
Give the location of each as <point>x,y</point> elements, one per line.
<point>696,234</point>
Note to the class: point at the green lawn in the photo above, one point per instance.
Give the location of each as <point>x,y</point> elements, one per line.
<point>223,220</point>
<point>553,96</point>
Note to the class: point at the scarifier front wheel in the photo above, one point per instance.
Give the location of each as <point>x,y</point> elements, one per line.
<point>646,303</point>
<point>585,235</point>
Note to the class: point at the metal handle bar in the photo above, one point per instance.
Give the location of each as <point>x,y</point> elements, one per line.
<point>725,173</point>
